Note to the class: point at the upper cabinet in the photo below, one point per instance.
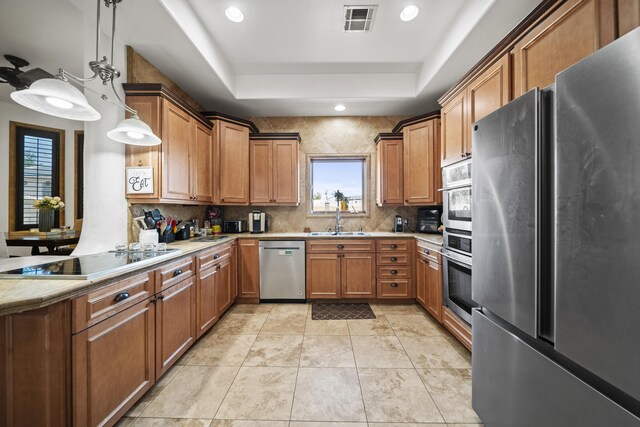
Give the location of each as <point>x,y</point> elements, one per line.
<point>421,153</point>
<point>572,32</point>
<point>389,170</point>
<point>407,159</point>
<point>554,36</point>
<point>484,94</point>
<point>182,163</point>
<point>274,169</point>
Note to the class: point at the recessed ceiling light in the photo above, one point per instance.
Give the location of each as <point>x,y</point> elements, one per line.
<point>339,107</point>
<point>409,12</point>
<point>234,14</point>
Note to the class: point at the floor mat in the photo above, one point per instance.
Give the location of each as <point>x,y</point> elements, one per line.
<point>338,311</point>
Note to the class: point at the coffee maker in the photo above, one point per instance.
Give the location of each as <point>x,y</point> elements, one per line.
<point>257,222</point>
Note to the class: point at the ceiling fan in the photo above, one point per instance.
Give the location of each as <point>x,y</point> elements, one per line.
<point>18,78</point>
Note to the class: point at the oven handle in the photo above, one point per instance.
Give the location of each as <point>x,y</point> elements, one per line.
<point>454,259</point>
<point>455,187</point>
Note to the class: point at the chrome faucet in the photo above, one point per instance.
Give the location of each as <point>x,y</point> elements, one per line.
<point>338,226</point>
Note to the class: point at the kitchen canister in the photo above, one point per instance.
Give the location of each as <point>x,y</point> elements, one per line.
<point>148,236</point>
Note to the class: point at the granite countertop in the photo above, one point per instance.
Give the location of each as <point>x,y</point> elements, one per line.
<point>17,295</point>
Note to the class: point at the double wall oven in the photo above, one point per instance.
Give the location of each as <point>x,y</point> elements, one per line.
<point>456,190</point>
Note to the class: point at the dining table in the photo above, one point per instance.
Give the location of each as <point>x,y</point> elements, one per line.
<point>51,242</point>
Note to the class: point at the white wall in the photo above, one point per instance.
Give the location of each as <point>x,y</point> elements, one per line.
<point>105,206</point>
<point>17,113</point>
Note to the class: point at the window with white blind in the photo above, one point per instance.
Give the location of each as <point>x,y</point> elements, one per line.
<point>38,161</point>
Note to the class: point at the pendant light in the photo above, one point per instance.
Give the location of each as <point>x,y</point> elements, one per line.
<point>58,97</point>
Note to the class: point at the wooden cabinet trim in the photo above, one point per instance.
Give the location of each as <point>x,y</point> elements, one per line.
<point>457,327</point>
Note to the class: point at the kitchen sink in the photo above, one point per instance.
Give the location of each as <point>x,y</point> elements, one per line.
<point>339,234</point>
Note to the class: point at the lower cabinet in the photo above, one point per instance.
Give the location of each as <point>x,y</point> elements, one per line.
<point>249,269</point>
<point>224,297</point>
<point>113,365</point>
<point>206,310</point>
<point>175,323</point>
<point>341,275</point>
<point>429,285</point>
<point>358,274</point>
<point>34,379</point>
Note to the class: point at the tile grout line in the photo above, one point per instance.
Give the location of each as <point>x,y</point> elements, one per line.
<point>355,362</point>
<point>295,384</point>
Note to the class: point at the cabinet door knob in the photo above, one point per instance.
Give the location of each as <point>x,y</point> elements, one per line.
<point>177,272</point>
<point>160,297</point>
<point>218,268</point>
<point>427,251</point>
<point>121,296</point>
<point>394,259</point>
<point>340,246</point>
<point>394,285</point>
<point>394,271</point>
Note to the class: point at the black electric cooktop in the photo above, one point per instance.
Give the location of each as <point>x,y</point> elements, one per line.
<point>88,266</point>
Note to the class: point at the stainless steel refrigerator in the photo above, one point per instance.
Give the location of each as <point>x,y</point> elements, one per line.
<point>556,257</point>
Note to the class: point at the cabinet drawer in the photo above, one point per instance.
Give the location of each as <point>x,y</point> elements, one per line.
<point>390,245</point>
<point>174,272</point>
<point>212,256</point>
<point>336,245</point>
<point>392,272</point>
<point>400,288</point>
<point>429,251</point>
<point>390,258</point>
<point>103,303</point>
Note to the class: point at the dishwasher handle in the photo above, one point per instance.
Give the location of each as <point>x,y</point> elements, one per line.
<point>281,248</point>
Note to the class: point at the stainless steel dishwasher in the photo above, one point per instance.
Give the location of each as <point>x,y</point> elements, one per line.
<point>282,270</point>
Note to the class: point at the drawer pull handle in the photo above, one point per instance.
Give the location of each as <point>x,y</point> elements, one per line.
<point>394,285</point>
<point>121,297</point>
<point>177,272</point>
<point>340,246</point>
<point>160,297</point>
<point>216,256</point>
<point>427,251</point>
<point>394,271</point>
<point>394,246</point>
<point>394,259</point>
<point>218,268</point>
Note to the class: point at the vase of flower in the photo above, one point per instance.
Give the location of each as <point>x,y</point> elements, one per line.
<point>47,207</point>
<point>45,220</point>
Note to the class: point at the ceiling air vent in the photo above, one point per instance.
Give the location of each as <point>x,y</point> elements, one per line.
<point>359,18</point>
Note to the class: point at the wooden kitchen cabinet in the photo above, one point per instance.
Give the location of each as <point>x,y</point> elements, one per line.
<point>324,276</point>
<point>182,164</point>
<point>175,323</point>
<point>274,169</point>
<point>358,275</point>
<point>234,271</point>
<point>628,16</point>
<point>34,357</point>
<point>231,145</point>
<point>421,280</point>
<point>249,269</point>
<point>486,93</point>
<point>434,290</point>
<point>206,310</point>
<point>113,365</point>
<point>389,169</point>
<point>455,143</point>
<point>572,32</point>
<point>223,284</point>
<point>201,155</point>
<point>421,149</point>
<point>341,269</point>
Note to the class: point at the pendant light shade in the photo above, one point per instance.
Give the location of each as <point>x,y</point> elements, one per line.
<point>58,98</point>
<point>134,131</point>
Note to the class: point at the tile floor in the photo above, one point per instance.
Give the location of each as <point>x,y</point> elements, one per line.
<point>270,365</point>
